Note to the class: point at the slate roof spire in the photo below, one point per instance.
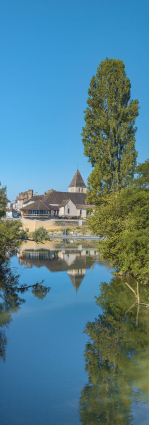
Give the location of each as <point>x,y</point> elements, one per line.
<point>77,180</point>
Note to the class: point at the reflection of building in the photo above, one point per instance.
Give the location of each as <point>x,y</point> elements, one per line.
<point>74,261</point>
<point>76,277</point>
<point>68,257</point>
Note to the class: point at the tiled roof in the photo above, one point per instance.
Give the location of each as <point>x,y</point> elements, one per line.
<point>77,180</point>
<point>34,198</point>
<point>55,197</point>
<point>54,200</point>
<point>38,205</point>
<point>64,203</point>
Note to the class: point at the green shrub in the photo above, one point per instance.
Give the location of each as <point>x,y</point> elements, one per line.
<point>40,235</point>
<point>24,234</point>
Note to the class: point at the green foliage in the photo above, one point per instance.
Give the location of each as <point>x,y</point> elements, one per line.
<point>40,291</point>
<point>24,234</point>
<point>109,133</point>
<point>10,231</point>
<point>116,356</point>
<point>122,221</point>
<point>3,202</point>
<point>142,180</point>
<point>9,237</point>
<point>40,235</point>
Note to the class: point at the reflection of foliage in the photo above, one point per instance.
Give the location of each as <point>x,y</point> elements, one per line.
<point>116,357</point>
<point>10,300</point>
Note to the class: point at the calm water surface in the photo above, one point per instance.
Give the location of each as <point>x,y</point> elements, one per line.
<point>66,357</point>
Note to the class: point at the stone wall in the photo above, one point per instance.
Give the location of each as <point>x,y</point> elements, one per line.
<point>47,224</point>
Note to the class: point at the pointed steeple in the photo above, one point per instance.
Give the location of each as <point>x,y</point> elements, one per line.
<point>77,184</point>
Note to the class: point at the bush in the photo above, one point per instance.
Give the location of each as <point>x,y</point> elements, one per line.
<point>40,235</point>
<point>24,234</point>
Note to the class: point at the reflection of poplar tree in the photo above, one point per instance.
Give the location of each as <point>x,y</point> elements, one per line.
<point>116,357</point>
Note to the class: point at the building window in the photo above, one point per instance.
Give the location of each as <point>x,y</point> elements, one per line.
<point>68,210</point>
<point>80,212</point>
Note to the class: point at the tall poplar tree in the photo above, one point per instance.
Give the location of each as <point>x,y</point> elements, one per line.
<point>109,132</point>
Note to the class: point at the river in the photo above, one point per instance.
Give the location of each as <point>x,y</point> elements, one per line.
<point>67,357</point>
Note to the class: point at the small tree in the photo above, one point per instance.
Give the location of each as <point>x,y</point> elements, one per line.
<point>40,235</point>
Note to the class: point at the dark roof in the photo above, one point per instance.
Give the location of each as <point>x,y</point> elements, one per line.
<point>77,180</point>
<point>38,205</point>
<point>64,203</point>
<point>34,198</point>
<point>7,200</point>
<point>55,197</point>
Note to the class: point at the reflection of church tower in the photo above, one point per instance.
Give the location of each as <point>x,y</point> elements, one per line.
<point>77,184</point>
<point>69,258</point>
<point>76,277</point>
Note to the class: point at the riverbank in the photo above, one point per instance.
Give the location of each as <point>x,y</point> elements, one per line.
<point>53,225</point>
<point>56,228</point>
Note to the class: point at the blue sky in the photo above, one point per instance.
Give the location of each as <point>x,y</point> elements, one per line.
<point>49,51</point>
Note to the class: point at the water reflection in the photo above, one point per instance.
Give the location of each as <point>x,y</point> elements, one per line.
<point>11,300</point>
<point>116,355</point>
<point>75,260</point>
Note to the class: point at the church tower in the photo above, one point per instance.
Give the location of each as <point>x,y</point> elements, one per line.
<point>77,184</point>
